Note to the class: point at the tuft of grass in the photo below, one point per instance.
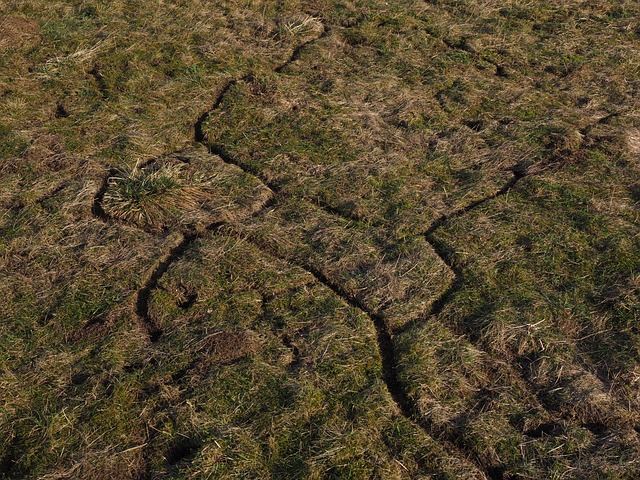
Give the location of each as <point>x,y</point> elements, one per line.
<point>153,196</point>
<point>300,25</point>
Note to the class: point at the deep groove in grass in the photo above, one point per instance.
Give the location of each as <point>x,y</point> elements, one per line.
<point>199,135</point>
<point>97,209</point>
<point>100,81</point>
<point>384,338</point>
<point>295,55</point>
<point>407,407</point>
<point>144,294</point>
<point>517,176</point>
<point>221,152</point>
<point>198,132</point>
<point>446,253</point>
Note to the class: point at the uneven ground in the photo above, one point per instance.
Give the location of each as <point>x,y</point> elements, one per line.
<point>322,239</point>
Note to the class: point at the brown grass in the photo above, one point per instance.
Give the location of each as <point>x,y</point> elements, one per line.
<point>18,32</point>
<point>416,255</point>
<point>153,196</point>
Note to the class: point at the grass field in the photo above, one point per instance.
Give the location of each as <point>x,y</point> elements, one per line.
<point>325,239</point>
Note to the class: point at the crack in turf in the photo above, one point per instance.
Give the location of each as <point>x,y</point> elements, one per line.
<point>144,294</point>
<point>297,52</point>
<point>100,81</point>
<point>199,135</point>
<point>445,252</point>
<point>385,341</point>
<point>518,174</point>
<point>384,335</point>
<point>384,338</point>
<point>96,208</point>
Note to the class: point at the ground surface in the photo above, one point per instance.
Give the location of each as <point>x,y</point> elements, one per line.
<point>324,239</point>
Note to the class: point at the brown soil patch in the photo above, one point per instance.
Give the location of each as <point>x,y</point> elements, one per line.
<point>16,32</point>
<point>128,464</point>
<point>94,329</point>
<point>46,153</point>
<point>227,346</point>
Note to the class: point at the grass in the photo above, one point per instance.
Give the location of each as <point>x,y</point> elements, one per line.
<point>417,255</point>
<point>152,196</point>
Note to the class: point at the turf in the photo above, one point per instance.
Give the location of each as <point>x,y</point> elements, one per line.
<point>325,239</point>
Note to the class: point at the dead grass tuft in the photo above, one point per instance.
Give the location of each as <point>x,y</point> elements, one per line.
<point>300,25</point>
<point>154,196</point>
<point>633,141</point>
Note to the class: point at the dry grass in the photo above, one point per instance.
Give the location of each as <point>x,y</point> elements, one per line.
<point>18,32</point>
<point>153,196</point>
<point>417,255</point>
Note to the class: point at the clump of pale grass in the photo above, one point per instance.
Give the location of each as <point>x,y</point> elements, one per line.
<point>299,25</point>
<point>153,196</point>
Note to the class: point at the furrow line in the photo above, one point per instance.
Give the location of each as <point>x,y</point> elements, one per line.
<point>199,135</point>
<point>100,81</point>
<point>384,336</point>
<point>444,251</point>
<point>297,51</point>
<point>144,294</point>
<point>96,209</point>
<point>405,404</point>
<point>518,174</point>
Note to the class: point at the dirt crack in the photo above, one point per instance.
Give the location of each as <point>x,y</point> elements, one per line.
<point>405,404</point>
<point>446,254</point>
<point>384,337</point>
<point>101,83</point>
<point>188,238</point>
<point>144,294</point>
<point>295,55</point>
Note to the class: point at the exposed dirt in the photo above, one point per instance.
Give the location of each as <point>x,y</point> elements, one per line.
<point>47,152</point>
<point>223,347</point>
<point>18,32</point>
